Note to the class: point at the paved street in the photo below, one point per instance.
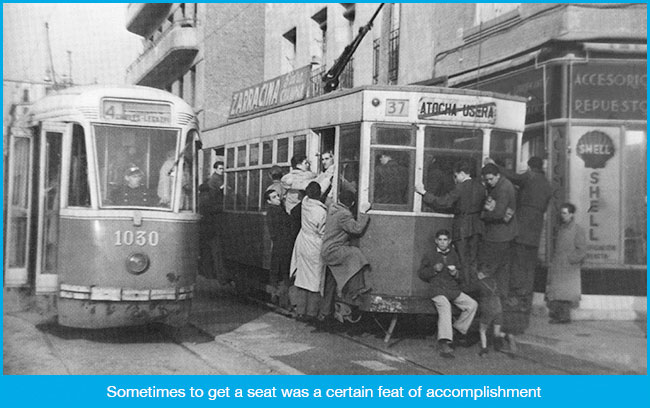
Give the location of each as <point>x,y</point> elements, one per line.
<point>230,335</point>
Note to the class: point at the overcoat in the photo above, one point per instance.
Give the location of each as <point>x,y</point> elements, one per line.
<point>343,259</point>
<point>563,282</point>
<point>534,195</point>
<point>306,263</point>
<point>294,183</point>
<point>466,201</point>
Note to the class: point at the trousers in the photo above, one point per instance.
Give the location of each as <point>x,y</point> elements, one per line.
<point>467,306</point>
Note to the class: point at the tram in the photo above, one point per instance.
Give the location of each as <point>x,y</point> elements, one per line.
<point>103,208</point>
<point>425,130</point>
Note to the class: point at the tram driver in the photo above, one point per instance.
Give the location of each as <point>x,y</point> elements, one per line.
<point>133,191</point>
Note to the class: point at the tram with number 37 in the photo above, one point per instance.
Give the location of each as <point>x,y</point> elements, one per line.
<point>102,205</point>
<point>425,130</point>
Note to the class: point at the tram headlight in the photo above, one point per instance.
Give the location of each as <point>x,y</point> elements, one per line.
<point>137,263</point>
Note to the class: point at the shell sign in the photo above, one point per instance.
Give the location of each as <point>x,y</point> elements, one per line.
<point>595,148</point>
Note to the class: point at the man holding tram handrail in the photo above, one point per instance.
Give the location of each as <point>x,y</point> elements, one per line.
<point>466,201</point>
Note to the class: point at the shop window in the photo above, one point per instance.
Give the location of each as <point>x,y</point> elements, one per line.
<point>532,144</point>
<point>443,148</point>
<point>503,146</point>
<point>635,197</point>
<point>392,167</point>
<point>78,190</point>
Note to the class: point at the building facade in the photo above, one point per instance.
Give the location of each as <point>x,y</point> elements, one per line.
<point>581,66</point>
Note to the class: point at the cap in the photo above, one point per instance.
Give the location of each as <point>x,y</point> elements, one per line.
<point>133,170</point>
<point>276,170</point>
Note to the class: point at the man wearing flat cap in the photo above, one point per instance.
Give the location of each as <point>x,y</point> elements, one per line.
<point>133,191</point>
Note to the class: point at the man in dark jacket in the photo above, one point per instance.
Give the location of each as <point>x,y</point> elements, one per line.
<point>532,201</point>
<point>466,202</point>
<point>440,269</point>
<point>500,227</point>
<point>280,229</point>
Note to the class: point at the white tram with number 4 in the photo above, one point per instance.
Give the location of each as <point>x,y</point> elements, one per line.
<point>102,205</point>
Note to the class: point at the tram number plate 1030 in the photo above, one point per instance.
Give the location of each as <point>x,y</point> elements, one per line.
<point>397,107</point>
<point>139,238</point>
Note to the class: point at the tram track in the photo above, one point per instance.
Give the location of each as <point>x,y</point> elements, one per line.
<point>528,355</point>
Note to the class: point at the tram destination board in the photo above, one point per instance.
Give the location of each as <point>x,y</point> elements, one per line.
<point>136,112</point>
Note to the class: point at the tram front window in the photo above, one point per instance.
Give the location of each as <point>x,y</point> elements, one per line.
<point>137,166</point>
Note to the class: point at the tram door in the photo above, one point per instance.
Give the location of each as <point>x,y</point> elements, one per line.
<point>48,204</point>
<point>17,227</point>
<point>345,143</point>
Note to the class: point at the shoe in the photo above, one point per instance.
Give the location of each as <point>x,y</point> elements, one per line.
<point>557,321</point>
<point>359,292</point>
<point>512,344</point>
<point>445,350</point>
<point>498,343</point>
<point>482,351</point>
<point>464,340</point>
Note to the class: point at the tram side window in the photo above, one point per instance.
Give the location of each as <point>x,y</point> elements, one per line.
<point>349,151</point>
<point>241,190</point>
<point>392,167</point>
<point>443,148</point>
<point>138,166</point>
<point>253,190</point>
<point>267,152</point>
<point>78,191</point>
<point>300,145</point>
<point>503,147</point>
<point>283,150</point>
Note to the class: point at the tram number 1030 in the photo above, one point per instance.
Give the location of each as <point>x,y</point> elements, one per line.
<point>140,238</point>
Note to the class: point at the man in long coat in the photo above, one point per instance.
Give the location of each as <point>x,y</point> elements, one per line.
<point>563,287</point>
<point>346,262</point>
<point>466,201</point>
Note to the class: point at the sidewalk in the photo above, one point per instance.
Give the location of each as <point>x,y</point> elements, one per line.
<point>610,343</point>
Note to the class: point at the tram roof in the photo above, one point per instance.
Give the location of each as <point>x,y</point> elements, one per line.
<point>391,88</point>
<point>67,100</point>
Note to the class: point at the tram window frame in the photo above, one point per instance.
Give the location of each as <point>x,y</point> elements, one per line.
<point>349,155</point>
<point>449,155</point>
<point>78,186</point>
<point>399,151</point>
<point>110,171</point>
<point>504,158</point>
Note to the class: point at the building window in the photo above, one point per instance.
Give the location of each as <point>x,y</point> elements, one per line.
<point>192,94</point>
<point>375,61</point>
<point>393,44</point>
<point>288,62</point>
<point>489,11</point>
<point>319,50</point>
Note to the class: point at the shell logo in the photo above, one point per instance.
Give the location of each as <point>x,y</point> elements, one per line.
<point>595,148</point>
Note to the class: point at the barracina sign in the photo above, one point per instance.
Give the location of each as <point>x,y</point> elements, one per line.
<point>444,109</point>
<point>278,91</point>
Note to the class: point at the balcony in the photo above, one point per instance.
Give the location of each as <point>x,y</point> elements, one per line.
<point>166,58</point>
<point>143,18</point>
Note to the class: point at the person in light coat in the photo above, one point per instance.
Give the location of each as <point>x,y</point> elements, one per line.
<point>346,263</point>
<point>563,285</point>
<point>306,263</point>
